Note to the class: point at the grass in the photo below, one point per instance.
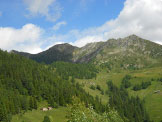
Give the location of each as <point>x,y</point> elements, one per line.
<point>56,115</point>
<point>153,101</point>
<point>100,80</point>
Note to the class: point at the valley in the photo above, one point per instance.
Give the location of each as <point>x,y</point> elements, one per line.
<point>121,79</point>
<point>81,61</point>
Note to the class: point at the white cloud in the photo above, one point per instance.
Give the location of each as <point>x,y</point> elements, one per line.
<point>49,8</point>
<point>23,39</point>
<point>55,43</point>
<point>58,25</point>
<point>82,37</point>
<point>88,39</point>
<point>140,17</point>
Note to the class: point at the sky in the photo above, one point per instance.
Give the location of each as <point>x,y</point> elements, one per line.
<point>36,25</point>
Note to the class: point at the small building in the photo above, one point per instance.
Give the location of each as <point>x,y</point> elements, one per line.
<point>157,91</point>
<point>44,109</point>
<point>49,108</point>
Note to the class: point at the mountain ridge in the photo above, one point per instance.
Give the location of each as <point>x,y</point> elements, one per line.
<point>131,46</point>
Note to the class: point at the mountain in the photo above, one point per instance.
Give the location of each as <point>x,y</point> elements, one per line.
<point>60,52</point>
<point>128,52</point>
<point>25,84</point>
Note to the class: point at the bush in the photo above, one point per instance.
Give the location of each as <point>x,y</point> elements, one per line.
<point>137,87</point>
<point>92,87</point>
<point>102,92</point>
<point>78,112</point>
<point>143,85</point>
<point>98,87</point>
<point>46,119</point>
<point>125,82</point>
<point>160,79</point>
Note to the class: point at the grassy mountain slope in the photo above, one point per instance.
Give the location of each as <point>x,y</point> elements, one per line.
<point>56,115</point>
<point>152,100</point>
<point>131,52</point>
<point>115,58</point>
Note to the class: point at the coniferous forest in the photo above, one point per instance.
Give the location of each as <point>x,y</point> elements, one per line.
<point>131,108</point>
<point>80,71</point>
<point>24,83</point>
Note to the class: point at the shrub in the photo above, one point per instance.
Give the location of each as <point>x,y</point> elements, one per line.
<point>78,112</point>
<point>98,87</point>
<point>46,119</point>
<point>92,87</point>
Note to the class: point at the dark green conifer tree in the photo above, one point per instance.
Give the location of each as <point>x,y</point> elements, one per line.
<point>46,119</point>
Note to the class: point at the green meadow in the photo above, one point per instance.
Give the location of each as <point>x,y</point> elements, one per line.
<point>55,115</point>
<point>153,101</point>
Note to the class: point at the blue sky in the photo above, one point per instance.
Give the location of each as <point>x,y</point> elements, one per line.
<point>36,25</point>
<point>78,14</point>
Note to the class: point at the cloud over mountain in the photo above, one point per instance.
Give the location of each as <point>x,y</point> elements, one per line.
<point>140,17</point>
<point>24,39</point>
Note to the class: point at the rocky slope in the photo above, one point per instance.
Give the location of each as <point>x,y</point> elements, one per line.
<point>128,52</point>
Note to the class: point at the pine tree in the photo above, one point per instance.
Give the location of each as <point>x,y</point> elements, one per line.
<point>35,103</point>
<point>72,80</point>
<point>46,119</point>
<point>3,113</point>
<point>31,103</point>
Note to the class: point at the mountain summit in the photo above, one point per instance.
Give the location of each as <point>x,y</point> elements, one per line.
<point>131,51</point>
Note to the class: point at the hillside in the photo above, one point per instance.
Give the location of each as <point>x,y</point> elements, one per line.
<point>152,100</point>
<point>25,83</point>
<point>61,52</point>
<point>131,52</point>
<point>117,72</point>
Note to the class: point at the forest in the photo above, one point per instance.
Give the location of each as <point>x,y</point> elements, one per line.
<point>24,83</point>
<point>131,109</point>
<point>79,71</point>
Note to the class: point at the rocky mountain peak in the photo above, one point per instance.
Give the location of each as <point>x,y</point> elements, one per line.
<point>62,47</point>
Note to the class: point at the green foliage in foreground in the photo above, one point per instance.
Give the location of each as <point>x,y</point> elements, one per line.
<point>78,112</point>
<point>46,119</point>
<point>79,71</point>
